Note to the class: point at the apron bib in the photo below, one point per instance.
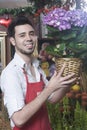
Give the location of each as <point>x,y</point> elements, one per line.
<point>40,120</point>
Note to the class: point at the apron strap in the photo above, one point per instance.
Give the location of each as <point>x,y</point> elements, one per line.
<point>25,73</point>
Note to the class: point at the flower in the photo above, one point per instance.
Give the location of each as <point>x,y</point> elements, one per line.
<point>69,29</point>
<point>62,19</point>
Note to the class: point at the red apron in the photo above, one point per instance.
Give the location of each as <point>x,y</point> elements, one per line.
<point>40,120</point>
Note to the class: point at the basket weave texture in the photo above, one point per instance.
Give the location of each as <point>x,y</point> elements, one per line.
<point>73,65</point>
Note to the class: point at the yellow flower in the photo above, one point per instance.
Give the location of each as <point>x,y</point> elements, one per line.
<point>75,87</point>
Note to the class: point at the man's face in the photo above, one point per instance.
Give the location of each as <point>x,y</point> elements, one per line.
<point>24,39</point>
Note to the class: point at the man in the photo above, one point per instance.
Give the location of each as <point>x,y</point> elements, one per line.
<point>24,83</point>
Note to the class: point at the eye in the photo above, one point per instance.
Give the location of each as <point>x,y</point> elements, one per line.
<point>22,35</point>
<point>32,33</point>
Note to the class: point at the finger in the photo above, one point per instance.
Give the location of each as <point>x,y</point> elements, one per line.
<point>70,81</point>
<point>72,75</point>
<point>55,73</point>
<point>61,70</point>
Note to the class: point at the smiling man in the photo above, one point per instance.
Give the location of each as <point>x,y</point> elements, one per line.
<point>24,83</point>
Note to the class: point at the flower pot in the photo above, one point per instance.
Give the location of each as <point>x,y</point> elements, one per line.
<point>73,65</point>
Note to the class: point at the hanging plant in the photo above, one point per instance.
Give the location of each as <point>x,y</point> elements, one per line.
<point>17,11</point>
<point>36,7</point>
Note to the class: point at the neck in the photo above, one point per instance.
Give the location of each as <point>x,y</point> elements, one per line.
<point>26,58</point>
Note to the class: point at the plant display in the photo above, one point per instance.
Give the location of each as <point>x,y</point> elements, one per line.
<point>69,28</point>
<point>71,112</point>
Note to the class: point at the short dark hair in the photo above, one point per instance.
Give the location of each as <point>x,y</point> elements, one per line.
<point>20,20</point>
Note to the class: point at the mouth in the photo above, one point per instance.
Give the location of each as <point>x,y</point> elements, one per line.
<point>30,46</point>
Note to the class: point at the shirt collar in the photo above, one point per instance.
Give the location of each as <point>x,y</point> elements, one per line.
<point>20,62</point>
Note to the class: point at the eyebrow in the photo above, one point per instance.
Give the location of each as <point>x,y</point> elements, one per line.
<point>25,32</point>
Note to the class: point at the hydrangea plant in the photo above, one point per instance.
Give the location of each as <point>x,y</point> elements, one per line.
<point>69,29</point>
<point>63,20</point>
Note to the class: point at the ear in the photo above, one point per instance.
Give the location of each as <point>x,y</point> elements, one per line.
<point>12,40</point>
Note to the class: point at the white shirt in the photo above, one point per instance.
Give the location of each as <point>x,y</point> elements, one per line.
<point>13,83</point>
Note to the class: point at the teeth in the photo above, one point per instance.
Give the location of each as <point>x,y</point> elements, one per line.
<point>29,45</point>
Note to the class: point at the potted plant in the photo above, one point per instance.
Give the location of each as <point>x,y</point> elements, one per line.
<point>69,29</point>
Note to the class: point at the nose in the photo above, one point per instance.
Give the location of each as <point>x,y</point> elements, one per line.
<point>28,37</point>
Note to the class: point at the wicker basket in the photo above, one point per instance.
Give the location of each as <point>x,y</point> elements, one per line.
<point>72,65</point>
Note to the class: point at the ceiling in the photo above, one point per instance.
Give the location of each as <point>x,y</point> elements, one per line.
<point>13,3</point>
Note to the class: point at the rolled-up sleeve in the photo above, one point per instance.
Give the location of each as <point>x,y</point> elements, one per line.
<point>13,94</point>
